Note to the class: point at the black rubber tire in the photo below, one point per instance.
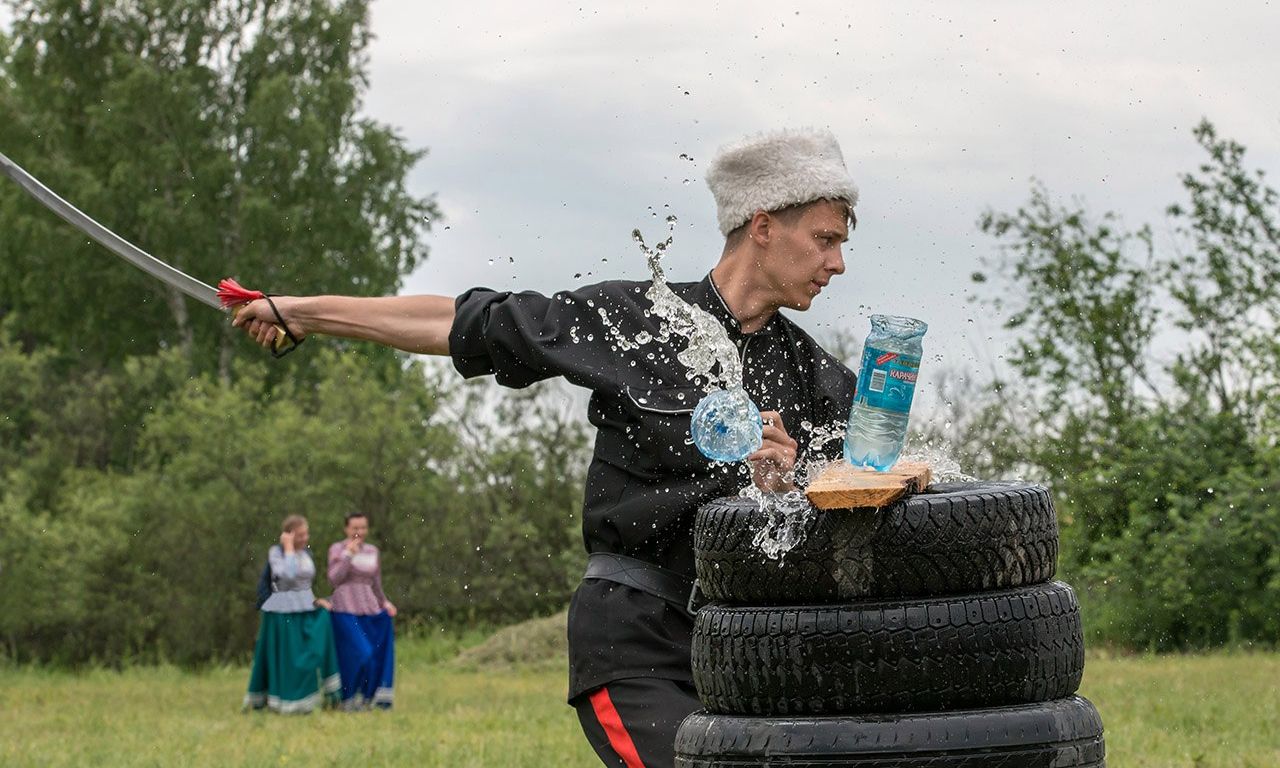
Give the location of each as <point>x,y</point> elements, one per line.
<point>951,539</point>
<point>987,649</point>
<point>1066,733</point>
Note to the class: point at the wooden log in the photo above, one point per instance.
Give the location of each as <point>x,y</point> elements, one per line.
<point>843,486</point>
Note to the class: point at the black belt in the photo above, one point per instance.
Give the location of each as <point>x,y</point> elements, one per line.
<point>674,588</point>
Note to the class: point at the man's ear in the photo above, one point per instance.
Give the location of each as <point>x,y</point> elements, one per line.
<point>760,228</point>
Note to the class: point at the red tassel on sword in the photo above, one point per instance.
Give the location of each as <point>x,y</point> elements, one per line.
<point>233,294</point>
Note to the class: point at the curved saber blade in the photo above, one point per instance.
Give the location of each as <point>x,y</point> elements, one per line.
<point>108,239</point>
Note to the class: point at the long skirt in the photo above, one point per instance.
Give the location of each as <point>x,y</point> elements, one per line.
<point>295,666</point>
<point>367,657</point>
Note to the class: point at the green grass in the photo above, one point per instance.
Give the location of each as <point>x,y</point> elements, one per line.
<point>162,716</point>
<point>1197,711</point>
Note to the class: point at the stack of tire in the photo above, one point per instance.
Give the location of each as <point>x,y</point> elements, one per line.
<point>925,634</point>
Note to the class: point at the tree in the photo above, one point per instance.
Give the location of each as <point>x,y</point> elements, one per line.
<point>478,523</point>
<point>223,136</point>
<point>1160,469</point>
<point>1226,286</point>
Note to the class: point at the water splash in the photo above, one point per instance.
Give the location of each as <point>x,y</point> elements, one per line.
<point>726,425</point>
<point>710,357</point>
<point>943,468</point>
<point>820,435</point>
<point>787,517</point>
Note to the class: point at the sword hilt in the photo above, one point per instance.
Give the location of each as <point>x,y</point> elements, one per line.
<point>234,295</point>
<point>282,344</point>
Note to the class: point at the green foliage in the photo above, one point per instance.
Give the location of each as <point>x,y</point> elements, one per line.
<point>157,556</point>
<point>223,136</point>
<point>147,452</point>
<point>1085,310</point>
<point>1163,468</point>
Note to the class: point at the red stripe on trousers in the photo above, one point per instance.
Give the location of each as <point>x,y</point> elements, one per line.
<point>619,739</point>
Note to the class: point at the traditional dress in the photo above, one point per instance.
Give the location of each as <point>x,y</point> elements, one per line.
<point>362,628</point>
<point>295,666</point>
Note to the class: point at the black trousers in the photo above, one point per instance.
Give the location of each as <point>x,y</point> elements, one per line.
<point>632,723</point>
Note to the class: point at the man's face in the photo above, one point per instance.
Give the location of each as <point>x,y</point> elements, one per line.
<point>805,252</point>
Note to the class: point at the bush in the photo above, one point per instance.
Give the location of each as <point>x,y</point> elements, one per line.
<point>150,547</point>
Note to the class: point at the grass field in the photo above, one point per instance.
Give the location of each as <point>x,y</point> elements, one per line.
<point>1195,711</point>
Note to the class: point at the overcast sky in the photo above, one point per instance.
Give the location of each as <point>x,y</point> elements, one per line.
<point>553,129</point>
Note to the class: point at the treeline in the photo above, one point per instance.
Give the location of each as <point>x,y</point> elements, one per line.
<point>147,451</point>
<point>1144,389</point>
<point>138,504</point>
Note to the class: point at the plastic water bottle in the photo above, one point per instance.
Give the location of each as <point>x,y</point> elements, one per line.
<point>886,384</point>
<point>726,425</point>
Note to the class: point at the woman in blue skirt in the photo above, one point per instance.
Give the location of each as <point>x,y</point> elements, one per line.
<point>362,614</point>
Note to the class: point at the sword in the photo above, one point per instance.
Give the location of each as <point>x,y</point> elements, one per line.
<point>227,297</point>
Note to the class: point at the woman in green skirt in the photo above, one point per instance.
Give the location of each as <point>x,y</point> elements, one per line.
<point>295,667</point>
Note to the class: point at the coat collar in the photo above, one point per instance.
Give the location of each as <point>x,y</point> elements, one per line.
<point>707,296</point>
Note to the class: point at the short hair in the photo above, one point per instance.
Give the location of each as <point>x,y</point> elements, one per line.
<point>352,516</point>
<point>292,523</point>
<point>787,215</point>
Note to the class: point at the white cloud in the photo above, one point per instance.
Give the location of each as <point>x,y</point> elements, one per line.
<point>560,126</point>
<point>552,127</point>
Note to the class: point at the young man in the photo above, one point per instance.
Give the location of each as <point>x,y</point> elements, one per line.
<point>785,205</point>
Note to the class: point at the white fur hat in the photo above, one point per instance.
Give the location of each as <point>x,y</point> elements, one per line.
<point>774,170</point>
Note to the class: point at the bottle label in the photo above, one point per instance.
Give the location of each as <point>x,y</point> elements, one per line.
<point>887,380</point>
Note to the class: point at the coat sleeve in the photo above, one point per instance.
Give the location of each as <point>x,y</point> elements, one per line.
<point>377,583</point>
<point>284,568</point>
<point>522,338</point>
<point>339,565</point>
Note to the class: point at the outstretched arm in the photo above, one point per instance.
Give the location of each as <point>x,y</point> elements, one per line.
<point>520,338</point>
<point>418,324</point>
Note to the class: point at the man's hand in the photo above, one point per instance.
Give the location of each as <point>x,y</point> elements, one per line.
<point>259,322</point>
<point>286,542</point>
<point>773,466</point>
<point>390,608</point>
<point>325,604</point>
